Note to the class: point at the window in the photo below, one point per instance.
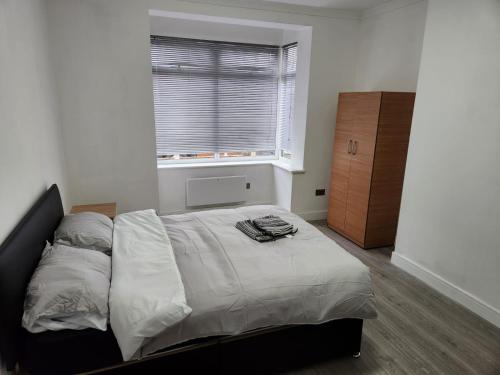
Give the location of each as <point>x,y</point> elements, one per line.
<point>217,100</point>
<point>287,98</point>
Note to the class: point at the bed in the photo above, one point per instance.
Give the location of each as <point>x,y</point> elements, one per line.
<point>231,283</point>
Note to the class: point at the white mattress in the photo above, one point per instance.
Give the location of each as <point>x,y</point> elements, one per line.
<point>234,284</point>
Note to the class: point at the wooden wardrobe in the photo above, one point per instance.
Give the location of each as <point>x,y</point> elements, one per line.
<point>369,157</point>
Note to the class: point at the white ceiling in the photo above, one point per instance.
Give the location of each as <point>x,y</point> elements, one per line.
<point>337,4</point>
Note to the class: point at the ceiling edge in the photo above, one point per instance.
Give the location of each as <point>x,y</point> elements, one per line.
<point>284,8</point>
<point>387,7</point>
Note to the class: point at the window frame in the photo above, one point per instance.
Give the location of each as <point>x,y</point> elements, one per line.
<point>217,159</point>
<point>283,153</point>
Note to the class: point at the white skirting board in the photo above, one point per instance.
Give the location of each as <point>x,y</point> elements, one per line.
<point>447,288</point>
<point>313,215</point>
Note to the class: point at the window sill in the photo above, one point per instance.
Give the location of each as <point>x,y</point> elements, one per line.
<point>282,165</point>
<point>276,163</point>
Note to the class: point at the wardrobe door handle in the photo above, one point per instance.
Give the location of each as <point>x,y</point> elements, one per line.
<point>355,148</point>
<point>349,147</point>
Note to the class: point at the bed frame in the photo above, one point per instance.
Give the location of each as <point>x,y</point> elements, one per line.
<point>68,351</point>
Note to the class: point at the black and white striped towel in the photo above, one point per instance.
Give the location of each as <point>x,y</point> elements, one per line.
<point>274,226</point>
<point>267,228</point>
<point>247,227</point>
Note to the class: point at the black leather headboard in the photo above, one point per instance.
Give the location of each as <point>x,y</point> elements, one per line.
<point>19,256</point>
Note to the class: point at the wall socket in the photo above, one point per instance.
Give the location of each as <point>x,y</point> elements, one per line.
<point>320,192</point>
<point>248,185</point>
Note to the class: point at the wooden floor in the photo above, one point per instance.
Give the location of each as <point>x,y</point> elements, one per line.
<point>418,330</point>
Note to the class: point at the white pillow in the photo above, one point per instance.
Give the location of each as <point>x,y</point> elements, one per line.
<point>86,230</point>
<point>68,290</point>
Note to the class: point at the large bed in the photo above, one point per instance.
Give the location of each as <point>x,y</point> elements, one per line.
<point>284,301</point>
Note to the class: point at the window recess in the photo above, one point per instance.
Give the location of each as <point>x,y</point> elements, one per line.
<point>219,101</point>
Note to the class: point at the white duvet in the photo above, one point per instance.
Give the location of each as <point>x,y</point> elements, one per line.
<point>196,275</point>
<point>235,284</point>
<point>147,295</point>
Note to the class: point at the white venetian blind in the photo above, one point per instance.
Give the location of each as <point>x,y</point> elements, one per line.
<point>212,97</point>
<point>287,95</point>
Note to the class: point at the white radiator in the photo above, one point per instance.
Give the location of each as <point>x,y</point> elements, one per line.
<point>215,190</point>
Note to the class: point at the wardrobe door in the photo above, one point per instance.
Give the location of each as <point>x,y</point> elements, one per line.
<point>393,137</point>
<point>339,181</point>
<point>366,108</point>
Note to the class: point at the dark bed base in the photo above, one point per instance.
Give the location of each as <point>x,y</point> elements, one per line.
<point>264,351</point>
<point>65,352</point>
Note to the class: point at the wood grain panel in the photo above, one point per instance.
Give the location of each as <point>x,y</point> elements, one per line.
<point>339,181</point>
<point>108,209</point>
<point>366,186</point>
<point>389,167</point>
<point>366,108</point>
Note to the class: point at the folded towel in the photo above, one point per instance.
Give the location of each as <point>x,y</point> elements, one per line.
<point>274,226</point>
<point>267,228</point>
<point>251,231</point>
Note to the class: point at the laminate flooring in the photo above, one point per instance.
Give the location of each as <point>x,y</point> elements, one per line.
<point>418,330</point>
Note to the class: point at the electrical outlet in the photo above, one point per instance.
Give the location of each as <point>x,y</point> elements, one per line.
<point>248,185</point>
<point>320,192</point>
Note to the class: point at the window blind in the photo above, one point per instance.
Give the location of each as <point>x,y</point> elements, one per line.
<point>213,97</point>
<point>287,96</point>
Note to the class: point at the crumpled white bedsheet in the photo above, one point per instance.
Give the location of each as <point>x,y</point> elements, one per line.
<point>235,284</point>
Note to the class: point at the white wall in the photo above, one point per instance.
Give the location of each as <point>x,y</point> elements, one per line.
<point>225,32</point>
<point>332,68</point>
<point>31,153</point>
<point>450,214</point>
<point>390,46</point>
<point>283,184</point>
<point>101,56</point>
<point>105,86</point>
